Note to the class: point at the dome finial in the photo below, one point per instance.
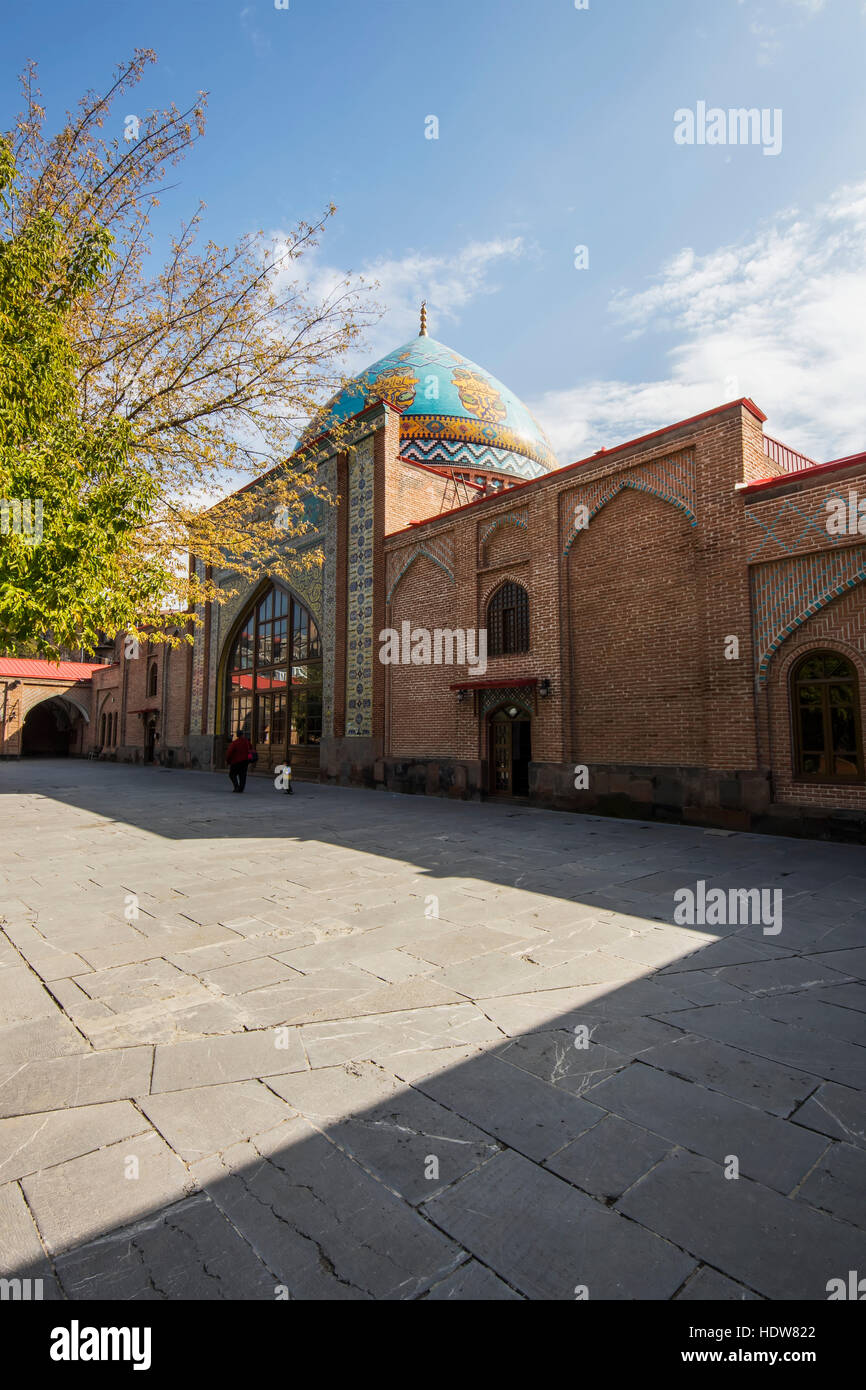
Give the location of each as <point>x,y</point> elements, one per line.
<point>423,333</point>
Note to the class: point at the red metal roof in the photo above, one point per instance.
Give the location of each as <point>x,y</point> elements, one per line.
<point>20,667</point>
<point>805,474</point>
<point>600,456</point>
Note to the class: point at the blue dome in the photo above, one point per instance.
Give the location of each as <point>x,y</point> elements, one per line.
<point>453,412</point>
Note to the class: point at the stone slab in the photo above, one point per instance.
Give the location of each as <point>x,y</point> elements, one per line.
<point>553,1238</point>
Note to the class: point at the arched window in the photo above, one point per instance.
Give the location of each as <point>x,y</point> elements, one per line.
<point>151,680</point>
<point>114,729</point>
<point>825,701</point>
<point>508,620</point>
<point>275,676</point>
<point>102,732</point>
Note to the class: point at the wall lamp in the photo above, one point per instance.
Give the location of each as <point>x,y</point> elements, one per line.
<point>461,696</point>
<point>544,688</point>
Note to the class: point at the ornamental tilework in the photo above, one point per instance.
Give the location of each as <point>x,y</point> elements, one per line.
<point>328,537</point>
<point>198,673</point>
<point>445,453</point>
<point>443,396</point>
<point>440,550</point>
<point>520,519</point>
<point>521,696</point>
<point>784,528</point>
<point>787,592</point>
<point>359,607</point>
<point>670,479</point>
<point>472,432</point>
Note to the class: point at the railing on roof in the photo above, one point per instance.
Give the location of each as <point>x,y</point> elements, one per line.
<point>787,459</point>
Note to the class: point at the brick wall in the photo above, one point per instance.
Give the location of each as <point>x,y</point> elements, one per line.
<point>636,627</point>
<point>643,621</point>
<point>412,493</point>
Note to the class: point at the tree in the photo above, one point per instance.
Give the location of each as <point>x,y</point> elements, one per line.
<point>72,504</point>
<point>207,369</point>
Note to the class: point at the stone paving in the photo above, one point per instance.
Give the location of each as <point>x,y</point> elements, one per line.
<point>348,1045</point>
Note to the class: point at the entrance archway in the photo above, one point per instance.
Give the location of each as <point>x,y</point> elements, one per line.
<point>50,729</point>
<point>273,673</point>
<point>510,751</point>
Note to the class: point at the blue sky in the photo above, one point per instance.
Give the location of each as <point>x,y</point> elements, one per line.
<point>714,271</point>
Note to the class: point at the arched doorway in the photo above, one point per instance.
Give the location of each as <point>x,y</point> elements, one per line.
<point>274,683</point>
<point>150,740</point>
<point>510,751</point>
<point>50,729</point>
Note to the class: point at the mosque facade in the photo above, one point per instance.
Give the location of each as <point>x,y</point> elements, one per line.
<point>672,628</point>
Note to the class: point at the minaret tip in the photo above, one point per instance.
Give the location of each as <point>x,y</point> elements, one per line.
<point>423,333</point>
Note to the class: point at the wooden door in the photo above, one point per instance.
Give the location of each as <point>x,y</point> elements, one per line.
<point>500,755</point>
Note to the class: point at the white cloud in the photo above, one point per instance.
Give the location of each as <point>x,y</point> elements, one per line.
<point>778,318</point>
<point>448,283</point>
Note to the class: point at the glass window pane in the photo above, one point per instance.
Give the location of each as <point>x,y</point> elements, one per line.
<point>306,726</point>
<point>842,695</point>
<point>813,763</point>
<point>812,729</point>
<point>844,730</point>
<point>314,717</point>
<point>812,669</point>
<point>300,633</point>
<point>241,716</point>
<point>280,640</point>
<point>281,603</point>
<point>266,608</point>
<point>310,673</point>
<point>837,666</point>
<point>266,645</point>
<point>278,727</point>
<point>270,680</point>
<point>242,656</point>
<point>264,708</point>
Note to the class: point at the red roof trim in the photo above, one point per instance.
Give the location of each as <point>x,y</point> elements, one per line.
<point>592,458</point>
<point>36,668</point>
<point>786,478</point>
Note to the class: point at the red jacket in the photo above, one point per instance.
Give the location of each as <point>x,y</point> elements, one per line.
<point>239,751</point>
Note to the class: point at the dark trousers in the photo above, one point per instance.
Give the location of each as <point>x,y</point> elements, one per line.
<point>238,774</point>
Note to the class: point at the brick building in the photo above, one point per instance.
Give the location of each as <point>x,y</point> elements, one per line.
<point>675,627</point>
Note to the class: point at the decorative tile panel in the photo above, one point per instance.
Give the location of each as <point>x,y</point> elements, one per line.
<point>440,550</point>
<point>359,606</point>
<point>786,527</point>
<point>520,519</point>
<point>785,593</point>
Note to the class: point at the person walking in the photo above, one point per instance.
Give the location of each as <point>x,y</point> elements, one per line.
<point>239,756</point>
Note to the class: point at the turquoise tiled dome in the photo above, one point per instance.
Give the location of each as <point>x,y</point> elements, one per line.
<point>452,411</point>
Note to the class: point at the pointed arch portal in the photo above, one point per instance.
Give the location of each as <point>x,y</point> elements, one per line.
<point>274,681</point>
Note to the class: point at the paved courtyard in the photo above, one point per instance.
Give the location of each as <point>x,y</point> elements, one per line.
<point>348,1045</point>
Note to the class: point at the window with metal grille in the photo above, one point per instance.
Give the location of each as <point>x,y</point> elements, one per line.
<point>508,620</point>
